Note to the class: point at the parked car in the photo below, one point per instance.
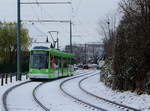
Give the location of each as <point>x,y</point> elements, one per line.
<point>80,66</point>
<point>86,66</point>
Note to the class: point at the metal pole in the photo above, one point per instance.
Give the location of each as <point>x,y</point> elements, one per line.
<point>108,26</point>
<point>70,36</point>
<point>18,41</point>
<point>57,41</point>
<point>85,53</point>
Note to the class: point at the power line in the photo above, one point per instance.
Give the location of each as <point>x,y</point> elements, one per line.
<point>47,11</point>
<point>77,9</point>
<point>45,3</point>
<point>38,29</point>
<point>35,13</point>
<point>59,21</point>
<point>77,18</point>
<point>42,9</point>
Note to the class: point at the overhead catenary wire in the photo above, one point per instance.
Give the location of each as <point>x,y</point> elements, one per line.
<point>37,15</point>
<point>44,3</point>
<point>43,34</point>
<point>38,29</point>
<point>78,7</point>
<point>76,17</point>
<point>42,9</point>
<point>75,13</point>
<point>39,4</point>
<point>49,15</point>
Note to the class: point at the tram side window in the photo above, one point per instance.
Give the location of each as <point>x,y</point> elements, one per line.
<point>65,63</point>
<point>59,62</point>
<point>56,59</point>
<point>69,63</point>
<point>54,62</point>
<point>72,61</point>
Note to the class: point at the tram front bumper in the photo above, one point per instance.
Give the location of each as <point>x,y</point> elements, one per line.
<point>39,76</point>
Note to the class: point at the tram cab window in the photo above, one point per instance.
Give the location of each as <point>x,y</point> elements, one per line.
<point>39,59</point>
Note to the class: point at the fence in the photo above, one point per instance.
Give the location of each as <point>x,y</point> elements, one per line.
<point>8,77</point>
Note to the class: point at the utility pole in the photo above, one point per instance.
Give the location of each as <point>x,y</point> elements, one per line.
<point>70,36</point>
<point>57,42</point>
<point>108,22</point>
<point>18,41</point>
<point>85,53</point>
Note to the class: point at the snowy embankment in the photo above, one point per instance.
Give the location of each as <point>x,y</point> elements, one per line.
<point>128,98</point>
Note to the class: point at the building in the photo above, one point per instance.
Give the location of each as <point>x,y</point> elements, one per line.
<point>86,53</point>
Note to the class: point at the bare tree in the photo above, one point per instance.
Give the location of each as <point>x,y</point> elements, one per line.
<point>107,29</point>
<point>132,46</point>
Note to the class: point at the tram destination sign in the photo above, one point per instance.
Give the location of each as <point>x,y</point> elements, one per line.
<point>39,52</point>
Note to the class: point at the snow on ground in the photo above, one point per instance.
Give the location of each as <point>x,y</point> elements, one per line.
<point>56,100</point>
<point>21,98</point>
<point>73,89</point>
<point>51,96</point>
<point>96,87</point>
<point>25,101</point>
<point>6,86</point>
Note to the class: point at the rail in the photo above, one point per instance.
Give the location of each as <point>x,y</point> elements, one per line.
<point>5,95</point>
<point>121,106</point>
<point>78,99</point>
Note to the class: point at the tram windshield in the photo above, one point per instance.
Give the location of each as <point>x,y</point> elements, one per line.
<point>39,59</point>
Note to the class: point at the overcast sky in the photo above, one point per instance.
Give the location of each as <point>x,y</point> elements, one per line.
<point>84,14</point>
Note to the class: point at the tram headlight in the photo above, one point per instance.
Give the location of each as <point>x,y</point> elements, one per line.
<point>31,70</point>
<point>46,70</point>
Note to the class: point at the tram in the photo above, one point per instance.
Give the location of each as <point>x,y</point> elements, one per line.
<point>47,63</point>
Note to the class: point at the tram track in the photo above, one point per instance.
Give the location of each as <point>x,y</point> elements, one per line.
<point>76,98</point>
<point>88,104</point>
<point>34,91</point>
<point>121,106</point>
<point>36,99</point>
<point>5,95</point>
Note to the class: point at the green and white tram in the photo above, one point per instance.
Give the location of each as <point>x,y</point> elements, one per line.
<point>46,63</point>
